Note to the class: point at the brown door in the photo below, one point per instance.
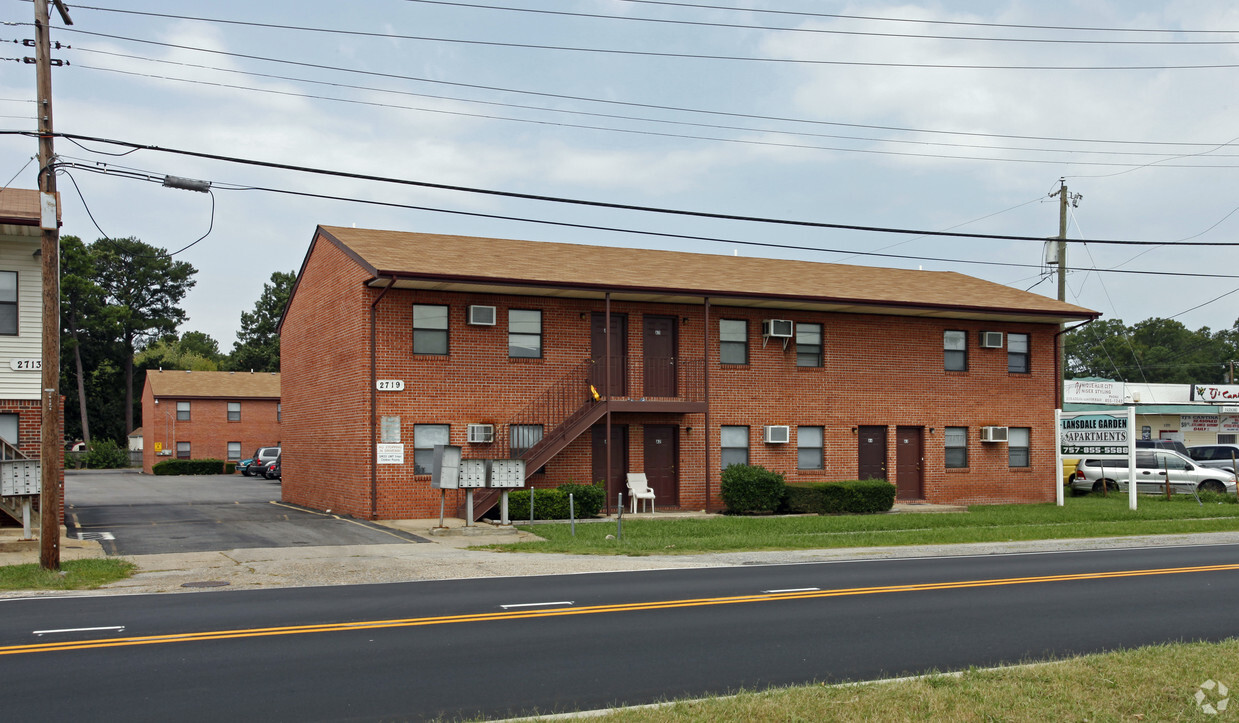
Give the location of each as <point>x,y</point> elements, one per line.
<point>871,455</point>
<point>660,356</point>
<point>909,459</point>
<point>619,462</point>
<point>619,353</point>
<point>662,452</point>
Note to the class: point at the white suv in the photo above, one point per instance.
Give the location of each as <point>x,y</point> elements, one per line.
<point>1152,466</point>
<point>261,457</point>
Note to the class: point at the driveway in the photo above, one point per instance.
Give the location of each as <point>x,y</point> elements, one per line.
<point>135,514</point>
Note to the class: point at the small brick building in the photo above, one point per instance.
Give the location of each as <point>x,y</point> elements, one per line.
<point>682,363</point>
<point>208,415</point>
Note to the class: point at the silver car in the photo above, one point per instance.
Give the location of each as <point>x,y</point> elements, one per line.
<point>1152,467</point>
<point>1222,456</point>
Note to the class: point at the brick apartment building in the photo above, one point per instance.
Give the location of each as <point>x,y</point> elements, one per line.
<point>208,415</point>
<point>818,371</point>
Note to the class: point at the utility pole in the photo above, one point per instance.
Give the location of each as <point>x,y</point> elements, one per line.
<point>50,442</point>
<point>1063,199</point>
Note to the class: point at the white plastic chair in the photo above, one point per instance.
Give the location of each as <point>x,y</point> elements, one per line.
<point>639,489</point>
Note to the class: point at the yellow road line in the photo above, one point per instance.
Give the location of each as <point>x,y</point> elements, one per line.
<point>590,610</point>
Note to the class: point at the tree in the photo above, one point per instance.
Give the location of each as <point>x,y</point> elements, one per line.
<point>258,342</point>
<point>194,350</point>
<point>1154,350</point>
<point>81,300</point>
<point>142,286</point>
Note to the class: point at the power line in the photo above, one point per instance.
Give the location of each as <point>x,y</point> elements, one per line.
<point>74,137</point>
<point>655,106</point>
<point>1163,162</point>
<point>156,178</point>
<point>747,59</point>
<point>917,20</point>
<point>666,21</point>
<point>717,126</point>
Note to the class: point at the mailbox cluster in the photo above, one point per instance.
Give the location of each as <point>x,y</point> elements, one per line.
<point>19,477</point>
<point>450,472</point>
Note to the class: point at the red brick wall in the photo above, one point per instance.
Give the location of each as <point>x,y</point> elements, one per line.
<point>208,430</point>
<point>878,370</point>
<point>325,386</point>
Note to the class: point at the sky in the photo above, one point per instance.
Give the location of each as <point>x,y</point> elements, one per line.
<point>917,116</point>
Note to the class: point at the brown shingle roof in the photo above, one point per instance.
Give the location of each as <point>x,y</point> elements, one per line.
<point>502,262</point>
<point>218,385</point>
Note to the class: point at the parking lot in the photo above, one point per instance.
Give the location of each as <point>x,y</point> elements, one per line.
<point>134,514</point>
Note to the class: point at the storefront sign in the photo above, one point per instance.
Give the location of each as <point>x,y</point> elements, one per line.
<point>1215,392</point>
<point>1198,422</point>
<point>1085,392</point>
<point>1095,434</point>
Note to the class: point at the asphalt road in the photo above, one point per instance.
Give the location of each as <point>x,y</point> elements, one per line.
<point>135,514</point>
<point>500,647</point>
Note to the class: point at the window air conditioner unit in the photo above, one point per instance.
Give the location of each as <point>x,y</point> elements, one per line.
<point>991,340</point>
<point>993,434</point>
<point>481,433</point>
<point>778,328</point>
<point>778,434</point>
<point>482,315</point>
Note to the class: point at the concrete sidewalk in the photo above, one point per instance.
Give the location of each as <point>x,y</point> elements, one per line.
<point>447,557</point>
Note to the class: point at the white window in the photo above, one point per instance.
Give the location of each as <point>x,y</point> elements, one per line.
<point>1017,356</point>
<point>808,345</point>
<point>955,351</point>
<point>1226,439</point>
<point>733,341</point>
<point>524,437</point>
<point>809,448</point>
<point>8,303</point>
<point>425,437</point>
<point>182,411</point>
<point>182,450</point>
<point>8,428</point>
<point>277,411</point>
<point>956,441</point>
<point>735,444</point>
<point>429,329</point>
<point>234,451</point>
<point>234,411</point>
<point>1017,441</point>
<point>525,333</point>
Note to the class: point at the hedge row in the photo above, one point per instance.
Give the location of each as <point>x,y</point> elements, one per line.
<point>863,496</point>
<point>194,466</point>
<point>749,489</point>
<point>552,504</point>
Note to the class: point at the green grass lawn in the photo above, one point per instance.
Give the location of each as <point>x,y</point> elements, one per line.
<point>1087,516</point>
<point>73,575</point>
<point>1156,683</point>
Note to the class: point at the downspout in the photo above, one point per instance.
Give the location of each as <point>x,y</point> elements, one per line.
<point>606,332</point>
<point>705,361</point>
<point>1058,394</point>
<point>374,403</point>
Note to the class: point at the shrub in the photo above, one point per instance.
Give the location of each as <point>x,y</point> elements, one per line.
<point>106,454</point>
<point>193,466</point>
<point>851,496</point>
<point>552,504</point>
<point>747,489</point>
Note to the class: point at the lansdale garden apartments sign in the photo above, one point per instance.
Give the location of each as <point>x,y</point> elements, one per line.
<point>1092,435</point>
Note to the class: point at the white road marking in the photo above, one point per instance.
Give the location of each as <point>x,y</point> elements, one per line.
<point>791,589</point>
<point>117,628</point>
<point>535,605</point>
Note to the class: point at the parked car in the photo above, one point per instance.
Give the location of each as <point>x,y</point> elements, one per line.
<point>244,464</point>
<point>1174,444</point>
<point>1152,466</point>
<point>273,469</point>
<point>1221,456</point>
<point>261,457</point>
